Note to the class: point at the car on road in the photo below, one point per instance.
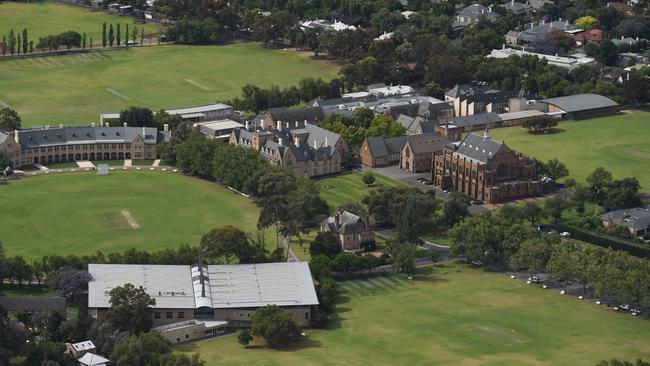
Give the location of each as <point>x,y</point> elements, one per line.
<point>625,307</point>
<point>477,263</point>
<point>534,279</point>
<point>565,234</point>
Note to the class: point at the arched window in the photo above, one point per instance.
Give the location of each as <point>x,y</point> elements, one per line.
<point>502,171</point>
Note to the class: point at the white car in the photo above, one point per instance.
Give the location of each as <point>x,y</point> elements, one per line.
<point>533,279</point>
<point>565,234</point>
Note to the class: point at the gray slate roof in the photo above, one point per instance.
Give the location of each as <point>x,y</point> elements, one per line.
<point>310,114</point>
<point>581,102</point>
<point>40,137</point>
<point>479,149</point>
<point>349,223</point>
<point>3,137</point>
<point>460,90</point>
<point>636,218</point>
<point>476,119</point>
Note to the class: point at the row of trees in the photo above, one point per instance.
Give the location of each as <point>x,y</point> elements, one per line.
<point>257,99</point>
<point>17,43</point>
<point>114,35</point>
<point>508,236</point>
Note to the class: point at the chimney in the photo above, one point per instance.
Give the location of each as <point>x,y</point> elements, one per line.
<point>126,124</point>
<point>144,132</point>
<point>315,144</point>
<point>287,125</point>
<point>326,142</point>
<point>279,126</point>
<point>16,136</point>
<point>107,124</point>
<point>296,124</point>
<point>305,123</point>
<point>247,125</point>
<point>296,141</point>
<point>60,125</point>
<point>280,141</point>
<point>337,218</point>
<point>166,127</point>
<point>92,124</point>
<point>47,127</point>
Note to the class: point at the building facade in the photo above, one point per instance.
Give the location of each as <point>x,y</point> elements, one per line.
<point>53,145</point>
<point>418,150</point>
<point>486,170</point>
<point>351,231</point>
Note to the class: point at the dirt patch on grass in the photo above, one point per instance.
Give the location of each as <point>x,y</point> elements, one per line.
<point>129,218</point>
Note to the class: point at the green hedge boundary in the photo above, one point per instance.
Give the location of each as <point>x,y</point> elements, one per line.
<point>605,241</point>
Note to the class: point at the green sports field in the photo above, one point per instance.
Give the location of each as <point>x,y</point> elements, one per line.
<point>50,17</point>
<point>80,213</point>
<point>73,89</point>
<point>469,318</point>
<point>619,143</point>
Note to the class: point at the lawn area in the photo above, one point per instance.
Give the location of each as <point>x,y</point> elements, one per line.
<point>619,143</point>
<point>50,17</point>
<point>462,318</point>
<point>15,290</point>
<point>73,89</point>
<point>80,213</point>
<point>349,188</point>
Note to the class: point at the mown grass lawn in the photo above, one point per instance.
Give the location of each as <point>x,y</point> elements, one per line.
<point>349,188</point>
<point>81,213</point>
<point>460,318</point>
<point>42,18</point>
<point>74,89</point>
<point>619,143</point>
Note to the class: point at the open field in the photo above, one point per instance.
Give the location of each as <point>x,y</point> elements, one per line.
<point>80,213</point>
<point>51,17</point>
<point>467,318</point>
<point>73,89</point>
<point>349,188</point>
<point>619,143</point>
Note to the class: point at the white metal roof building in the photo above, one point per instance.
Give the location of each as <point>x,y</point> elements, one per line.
<point>217,287</point>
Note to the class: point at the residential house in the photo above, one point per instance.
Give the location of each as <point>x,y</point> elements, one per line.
<point>416,125</point>
<point>637,220</point>
<point>77,350</point>
<point>588,36</point>
<point>518,8</point>
<point>351,231</point>
<point>537,32</point>
<point>486,170</point>
<point>381,151</point>
<point>91,359</point>
<point>322,24</point>
<point>469,99</point>
<point>471,15</point>
<point>568,62</point>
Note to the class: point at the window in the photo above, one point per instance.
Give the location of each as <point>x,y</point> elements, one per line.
<point>169,315</point>
<point>306,315</point>
<point>156,314</point>
<point>181,315</point>
<point>187,336</point>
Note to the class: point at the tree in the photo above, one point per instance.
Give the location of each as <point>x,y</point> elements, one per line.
<point>130,309</point>
<point>149,349</point>
<point>456,208</point>
<point>69,282</point>
<point>118,37</point>
<point>554,206</point>
<point>586,22</point>
<point>599,182</point>
<point>84,39</point>
<point>103,34</point>
<point>555,170</point>
<point>533,256</point>
<point>532,211</point>
<point>126,36</point>
<point>275,325</point>
<point>25,44</point>
<point>540,124</point>
<point>18,43</point>
<point>12,42</point>
<point>325,243</point>
<point>227,242</point>
<point>9,120</point>
<point>244,337</point>
<point>561,263</point>
<point>327,293</point>
<point>111,35</point>
<point>137,117</point>
<point>368,178</point>
<point>404,256</point>
<point>320,266</point>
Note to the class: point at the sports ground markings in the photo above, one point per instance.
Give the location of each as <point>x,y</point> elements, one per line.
<point>198,85</point>
<point>129,218</point>
<point>372,286</point>
<point>36,64</point>
<point>54,61</point>
<point>4,104</point>
<point>117,94</point>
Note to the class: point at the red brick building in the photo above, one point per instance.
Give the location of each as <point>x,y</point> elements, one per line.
<point>486,170</point>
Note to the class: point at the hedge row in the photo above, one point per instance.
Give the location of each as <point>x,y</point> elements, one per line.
<point>635,249</point>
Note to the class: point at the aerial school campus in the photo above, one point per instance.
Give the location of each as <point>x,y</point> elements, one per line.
<point>425,183</point>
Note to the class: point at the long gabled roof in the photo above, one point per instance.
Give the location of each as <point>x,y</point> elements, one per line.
<point>427,143</point>
<point>310,114</point>
<point>479,149</point>
<point>40,137</point>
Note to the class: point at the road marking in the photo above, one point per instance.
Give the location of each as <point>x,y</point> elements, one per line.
<point>127,215</point>
<point>117,94</point>
<point>203,87</point>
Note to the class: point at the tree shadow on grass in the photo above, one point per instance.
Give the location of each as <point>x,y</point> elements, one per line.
<point>302,343</point>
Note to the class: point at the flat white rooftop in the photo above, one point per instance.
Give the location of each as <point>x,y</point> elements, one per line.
<point>229,286</point>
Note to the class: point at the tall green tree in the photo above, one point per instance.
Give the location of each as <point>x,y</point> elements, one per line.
<point>25,44</point>
<point>12,42</point>
<point>275,325</point>
<point>111,35</point>
<point>225,243</point>
<point>118,36</point>
<point>9,120</point>
<point>131,309</point>
<point>104,34</point>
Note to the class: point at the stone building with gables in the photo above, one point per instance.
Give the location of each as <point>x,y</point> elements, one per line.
<point>486,170</point>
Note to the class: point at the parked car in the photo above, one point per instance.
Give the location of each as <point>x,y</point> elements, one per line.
<point>565,234</point>
<point>420,179</point>
<point>477,263</point>
<point>534,279</point>
<point>625,307</point>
